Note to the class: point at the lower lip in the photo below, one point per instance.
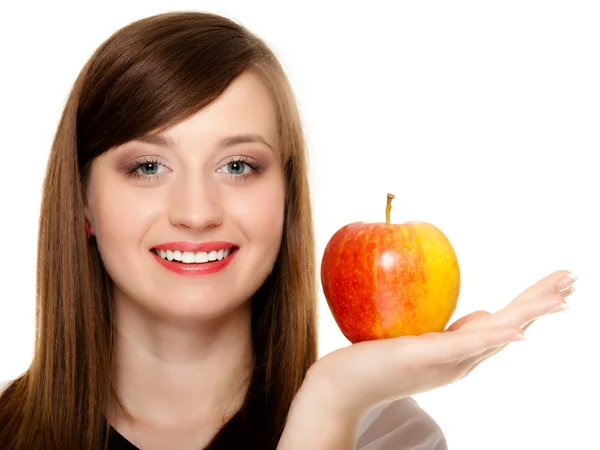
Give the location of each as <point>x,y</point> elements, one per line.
<point>207,268</point>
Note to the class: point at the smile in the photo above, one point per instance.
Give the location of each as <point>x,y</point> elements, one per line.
<point>184,258</point>
<point>187,257</point>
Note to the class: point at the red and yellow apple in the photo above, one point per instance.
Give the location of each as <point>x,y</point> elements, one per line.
<point>385,280</point>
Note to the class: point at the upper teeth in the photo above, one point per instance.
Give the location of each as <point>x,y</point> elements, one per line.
<point>191,257</point>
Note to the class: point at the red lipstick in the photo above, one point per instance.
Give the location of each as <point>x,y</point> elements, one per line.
<point>206,268</point>
<point>192,247</point>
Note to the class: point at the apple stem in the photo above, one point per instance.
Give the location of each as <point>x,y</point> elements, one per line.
<point>388,208</point>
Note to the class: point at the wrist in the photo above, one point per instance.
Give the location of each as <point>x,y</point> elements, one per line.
<point>316,420</point>
<point>333,396</point>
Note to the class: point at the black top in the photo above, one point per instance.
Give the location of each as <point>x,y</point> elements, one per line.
<point>116,441</point>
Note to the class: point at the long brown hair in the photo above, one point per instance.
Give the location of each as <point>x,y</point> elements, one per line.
<point>150,75</point>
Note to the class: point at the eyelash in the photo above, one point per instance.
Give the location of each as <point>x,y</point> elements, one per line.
<point>255,167</point>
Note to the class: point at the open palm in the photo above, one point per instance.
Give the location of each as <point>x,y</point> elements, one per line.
<point>356,378</point>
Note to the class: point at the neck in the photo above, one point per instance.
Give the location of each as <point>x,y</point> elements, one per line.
<point>178,377</point>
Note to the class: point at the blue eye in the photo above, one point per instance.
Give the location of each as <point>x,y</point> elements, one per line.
<point>148,168</point>
<point>237,167</point>
<point>240,168</point>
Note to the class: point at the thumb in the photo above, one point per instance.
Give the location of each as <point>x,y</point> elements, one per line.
<point>467,319</point>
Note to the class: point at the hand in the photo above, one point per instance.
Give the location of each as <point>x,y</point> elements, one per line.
<point>352,380</point>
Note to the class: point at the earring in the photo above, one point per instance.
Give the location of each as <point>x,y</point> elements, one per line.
<point>88,230</point>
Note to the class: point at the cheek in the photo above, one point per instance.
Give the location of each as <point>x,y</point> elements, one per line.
<point>260,213</point>
<point>122,215</point>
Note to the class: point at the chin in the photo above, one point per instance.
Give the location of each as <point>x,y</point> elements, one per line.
<point>199,305</point>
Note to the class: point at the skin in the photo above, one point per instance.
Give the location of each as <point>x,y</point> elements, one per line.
<point>377,372</point>
<point>174,330</point>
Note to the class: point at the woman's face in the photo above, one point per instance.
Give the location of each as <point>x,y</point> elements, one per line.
<point>209,187</point>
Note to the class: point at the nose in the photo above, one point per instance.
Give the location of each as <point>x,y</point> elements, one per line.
<point>195,203</point>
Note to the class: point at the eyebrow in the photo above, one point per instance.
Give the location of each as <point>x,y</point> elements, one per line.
<point>167,141</point>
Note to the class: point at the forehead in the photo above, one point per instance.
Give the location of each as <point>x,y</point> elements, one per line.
<point>245,107</point>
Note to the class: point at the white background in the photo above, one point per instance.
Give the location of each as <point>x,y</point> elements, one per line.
<point>482,117</point>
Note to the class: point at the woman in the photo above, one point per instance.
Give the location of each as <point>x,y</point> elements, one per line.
<point>185,317</point>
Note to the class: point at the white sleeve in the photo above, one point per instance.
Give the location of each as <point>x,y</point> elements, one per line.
<point>400,425</point>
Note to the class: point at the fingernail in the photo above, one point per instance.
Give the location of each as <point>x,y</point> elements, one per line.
<point>567,281</point>
<point>558,308</point>
<point>568,291</point>
<point>518,337</point>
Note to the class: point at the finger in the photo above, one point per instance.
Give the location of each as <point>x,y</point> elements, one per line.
<point>523,313</point>
<point>467,319</point>
<point>564,306</point>
<point>467,366</point>
<point>568,291</point>
<point>470,363</point>
<point>478,358</point>
<point>566,281</point>
<point>519,312</point>
<point>555,282</point>
<point>527,312</point>
<point>527,325</point>
<point>440,348</point>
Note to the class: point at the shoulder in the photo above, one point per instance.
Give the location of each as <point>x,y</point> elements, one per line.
<point>400,425</point>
